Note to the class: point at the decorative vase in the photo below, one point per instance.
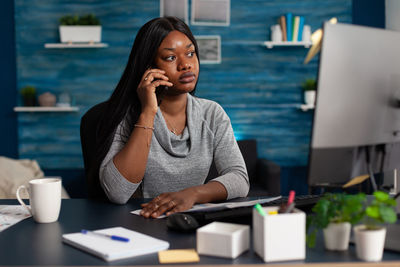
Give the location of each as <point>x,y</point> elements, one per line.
<point>80,34</point>
<point>369,243</point>
<point>309,97</point>
<point>337,235</point>
<point>47,100</point>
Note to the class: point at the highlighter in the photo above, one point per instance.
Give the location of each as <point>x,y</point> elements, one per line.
<point>260,210</point>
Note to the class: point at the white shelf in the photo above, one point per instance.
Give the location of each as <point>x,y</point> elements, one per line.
<point>76,45</point>
<point>305,107</point>
<point>272,44</point>
<point>46,109</point>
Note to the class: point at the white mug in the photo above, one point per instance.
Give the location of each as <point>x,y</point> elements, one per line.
<point>44,199</point>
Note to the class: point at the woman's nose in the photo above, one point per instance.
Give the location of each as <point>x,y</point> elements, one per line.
<point>185,66</point>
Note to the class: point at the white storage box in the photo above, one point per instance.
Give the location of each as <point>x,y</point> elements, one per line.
<point>279,237</point>
<point>223,239</point>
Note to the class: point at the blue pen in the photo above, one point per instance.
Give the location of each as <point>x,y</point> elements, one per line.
<point>113,237</point>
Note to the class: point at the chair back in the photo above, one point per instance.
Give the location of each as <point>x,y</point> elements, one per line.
<point>88,132</point>
<point>249,153</point>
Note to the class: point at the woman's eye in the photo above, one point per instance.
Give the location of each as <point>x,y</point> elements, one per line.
<point>191,54</point>
<point>170,58</point>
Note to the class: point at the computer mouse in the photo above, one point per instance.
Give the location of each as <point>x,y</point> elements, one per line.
<point>182,222</point>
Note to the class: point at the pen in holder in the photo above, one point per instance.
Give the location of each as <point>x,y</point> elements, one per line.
<point>279,236</point>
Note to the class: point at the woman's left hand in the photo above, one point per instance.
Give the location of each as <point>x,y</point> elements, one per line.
<point>169,203</point>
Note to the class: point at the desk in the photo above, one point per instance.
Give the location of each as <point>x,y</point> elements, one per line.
<point>30,243</point>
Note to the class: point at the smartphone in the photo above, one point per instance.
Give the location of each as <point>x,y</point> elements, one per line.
<point>160,89</point>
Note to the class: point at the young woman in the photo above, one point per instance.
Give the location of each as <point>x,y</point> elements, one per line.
<point>160,139</point>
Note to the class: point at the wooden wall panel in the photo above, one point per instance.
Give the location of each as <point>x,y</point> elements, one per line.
<point>258,87</point>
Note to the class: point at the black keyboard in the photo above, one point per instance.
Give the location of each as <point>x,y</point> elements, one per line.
<point>304,203</point>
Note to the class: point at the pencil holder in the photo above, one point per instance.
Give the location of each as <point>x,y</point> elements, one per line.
<point>279,237</point>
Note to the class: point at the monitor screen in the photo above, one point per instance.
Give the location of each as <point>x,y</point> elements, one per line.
<point>357,112</point>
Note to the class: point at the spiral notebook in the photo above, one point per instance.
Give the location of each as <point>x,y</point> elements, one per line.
<point>110,250</point>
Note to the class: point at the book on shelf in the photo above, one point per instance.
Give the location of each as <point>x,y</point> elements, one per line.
<point>296,22</point>
<point>289,25</point>
<point>282,22</point>
<point>301,25</point>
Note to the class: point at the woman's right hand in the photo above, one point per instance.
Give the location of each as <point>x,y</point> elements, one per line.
<point>151,79</point>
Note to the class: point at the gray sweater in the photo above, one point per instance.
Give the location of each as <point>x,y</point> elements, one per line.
<point>178,162</point>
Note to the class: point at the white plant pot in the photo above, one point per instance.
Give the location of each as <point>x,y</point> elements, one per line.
<point>369,243</point>
<point>337,235</point>
<point>80,34</point>
<point>309,97</point>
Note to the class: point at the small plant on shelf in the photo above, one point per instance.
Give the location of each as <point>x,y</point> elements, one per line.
<point>80,29</point>
<point>88,19</point>
<point>309,85</point>
<point>28,94</point>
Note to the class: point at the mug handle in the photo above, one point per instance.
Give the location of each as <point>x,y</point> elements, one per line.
<point>21,201</point>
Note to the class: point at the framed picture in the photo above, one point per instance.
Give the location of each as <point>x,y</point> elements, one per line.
<point>211,12</point>
<point>175,8</point>
<point>209,48</point>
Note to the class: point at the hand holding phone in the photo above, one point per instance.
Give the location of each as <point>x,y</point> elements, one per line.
<point>152,79</point>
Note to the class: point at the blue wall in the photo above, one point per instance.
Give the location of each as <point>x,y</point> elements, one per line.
<point>8,132</point>
<point>258,87</point>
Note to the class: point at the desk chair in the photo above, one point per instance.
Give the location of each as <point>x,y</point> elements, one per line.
<point>264,175</point>
<point>88,132</point>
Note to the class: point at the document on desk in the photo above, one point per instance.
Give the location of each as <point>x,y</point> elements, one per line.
<point>110,249</point>
<point>223,205</point>
<point>12,214</point>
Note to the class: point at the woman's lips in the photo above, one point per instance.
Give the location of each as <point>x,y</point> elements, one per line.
<point>187,77</point>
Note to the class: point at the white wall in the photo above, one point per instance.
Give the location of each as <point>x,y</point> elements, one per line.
<point>393,14</point>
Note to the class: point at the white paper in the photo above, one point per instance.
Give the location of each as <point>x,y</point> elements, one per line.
<point>221,206</point>
<point>12,214</point>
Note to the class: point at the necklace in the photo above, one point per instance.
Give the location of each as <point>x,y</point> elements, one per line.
<point>171,127</point>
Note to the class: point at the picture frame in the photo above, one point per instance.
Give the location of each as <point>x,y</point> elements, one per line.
<point>175,8</point>
<point>209,48</point>
<point>211,12</point>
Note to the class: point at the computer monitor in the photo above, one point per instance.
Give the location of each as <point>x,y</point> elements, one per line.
<point>357,112</point>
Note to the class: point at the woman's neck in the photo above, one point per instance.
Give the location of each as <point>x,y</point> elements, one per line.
<point>174,105</point>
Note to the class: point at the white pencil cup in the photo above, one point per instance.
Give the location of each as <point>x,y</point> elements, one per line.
<point>280,237</point>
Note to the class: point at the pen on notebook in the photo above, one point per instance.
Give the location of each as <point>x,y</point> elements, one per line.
<point>113,237</point>
<point>260,210</point>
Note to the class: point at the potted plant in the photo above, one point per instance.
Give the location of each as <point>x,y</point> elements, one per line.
<point>309,86</point>
<point>28,94</point>
<point>334,214</point>
<point>80,29</point>
<point>370,236</point>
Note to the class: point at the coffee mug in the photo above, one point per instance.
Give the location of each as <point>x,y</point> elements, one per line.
<point>44,199</point>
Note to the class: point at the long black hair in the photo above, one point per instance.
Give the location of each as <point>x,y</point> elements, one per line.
<point>124,100</point>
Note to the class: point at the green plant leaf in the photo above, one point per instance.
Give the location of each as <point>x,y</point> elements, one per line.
<point>391,202</point>
<point>388,214</point>
<point>381,196</point>
<point>372,211</point>
<point>311,238</point>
